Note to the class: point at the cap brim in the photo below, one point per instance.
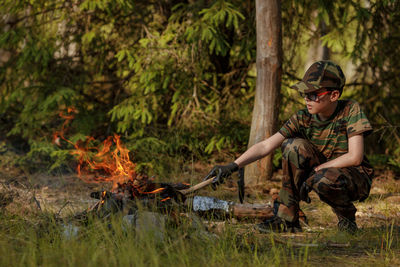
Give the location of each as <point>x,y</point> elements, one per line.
<point>304,87</point>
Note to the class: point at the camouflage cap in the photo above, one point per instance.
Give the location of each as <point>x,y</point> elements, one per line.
<point>321,74</point>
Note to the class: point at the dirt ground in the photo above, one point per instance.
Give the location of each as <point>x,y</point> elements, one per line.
<point>66,194</point>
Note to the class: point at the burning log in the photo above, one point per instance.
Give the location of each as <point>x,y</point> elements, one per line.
<point>129,196</point>
<point>145,189</point>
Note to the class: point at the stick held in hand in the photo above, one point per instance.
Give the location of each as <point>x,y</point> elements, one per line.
<point>197,186</point>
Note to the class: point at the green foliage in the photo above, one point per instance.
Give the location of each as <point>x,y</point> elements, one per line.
<point>177,78</point>
<point>45,156</point>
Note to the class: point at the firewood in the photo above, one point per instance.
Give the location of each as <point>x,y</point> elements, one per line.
<point>196,187</point>
<point>259,211</point>
<point>213,206</point>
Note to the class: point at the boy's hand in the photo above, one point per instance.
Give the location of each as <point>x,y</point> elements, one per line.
<point>317,168</point>
<point>320,167</point>
<point>353,157</point>
<point>221,172</point>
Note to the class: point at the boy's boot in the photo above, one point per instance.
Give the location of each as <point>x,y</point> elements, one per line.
<point>346,218</point>
<point>277,224</point>
<point>346,225</point>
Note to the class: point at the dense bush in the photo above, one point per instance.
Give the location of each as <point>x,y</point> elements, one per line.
<point>177,78</point>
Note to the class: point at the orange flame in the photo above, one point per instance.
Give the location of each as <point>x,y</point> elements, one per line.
<point>107,162</point>
<point>154,191</point>
<point>165,199</point>
<point>103,194</point>
<point>102,163</point>
<point>68,118</point>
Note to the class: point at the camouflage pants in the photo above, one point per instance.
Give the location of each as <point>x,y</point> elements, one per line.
<point>338,187</point>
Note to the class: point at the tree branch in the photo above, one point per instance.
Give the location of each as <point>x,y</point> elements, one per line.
<point>18,20</point>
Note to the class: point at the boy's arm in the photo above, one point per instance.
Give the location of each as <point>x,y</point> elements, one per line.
<point>254,153</point>
<point>353,157</point>
<point>260,150</point>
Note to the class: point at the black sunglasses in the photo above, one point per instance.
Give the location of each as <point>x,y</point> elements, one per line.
<point>313,96</point>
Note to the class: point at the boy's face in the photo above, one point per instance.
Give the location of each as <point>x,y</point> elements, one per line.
<point>321,100</point>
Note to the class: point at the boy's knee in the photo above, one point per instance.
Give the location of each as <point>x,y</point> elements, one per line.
<point>327,178</point>
<point>331,186</point>
<point>295,150</point>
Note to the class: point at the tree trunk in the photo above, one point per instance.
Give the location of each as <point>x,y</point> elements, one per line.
<point>269,72</point>
<point>317,51</point>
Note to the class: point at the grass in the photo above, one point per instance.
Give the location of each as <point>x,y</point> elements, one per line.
<point>32,237</point>
<point>109,244</point>
<point>42,241</point>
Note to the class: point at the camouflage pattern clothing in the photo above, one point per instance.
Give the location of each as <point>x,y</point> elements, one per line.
<point>331,136</point>
<point>311,142</point>
<point>321,74</point>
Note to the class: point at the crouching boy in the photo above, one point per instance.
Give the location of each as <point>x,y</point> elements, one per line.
<point>322,150</point>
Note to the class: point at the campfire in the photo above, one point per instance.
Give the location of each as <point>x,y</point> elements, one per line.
<point>110,162</point>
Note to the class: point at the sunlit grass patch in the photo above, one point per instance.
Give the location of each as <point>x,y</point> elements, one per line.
<point>112,243</point>
<point>30,236</point>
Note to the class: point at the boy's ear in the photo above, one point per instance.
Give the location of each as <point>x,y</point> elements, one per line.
<point>335,95</point>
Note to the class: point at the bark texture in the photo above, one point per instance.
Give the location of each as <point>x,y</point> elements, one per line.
<point>269,72</point>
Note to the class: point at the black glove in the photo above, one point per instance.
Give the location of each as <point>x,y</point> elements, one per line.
<point>221,172</point>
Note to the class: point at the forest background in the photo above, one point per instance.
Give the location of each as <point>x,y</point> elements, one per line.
<point>176,79</point>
